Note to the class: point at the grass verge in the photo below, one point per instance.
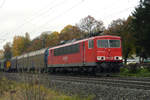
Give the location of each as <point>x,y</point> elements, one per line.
<point>139,72</point>
<point>11,90</point>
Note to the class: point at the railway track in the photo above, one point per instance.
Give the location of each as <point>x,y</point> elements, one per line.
<point>124,82</point>
<point>134,83</point>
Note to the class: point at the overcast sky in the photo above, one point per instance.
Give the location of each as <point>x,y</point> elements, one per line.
<point>36,16</point>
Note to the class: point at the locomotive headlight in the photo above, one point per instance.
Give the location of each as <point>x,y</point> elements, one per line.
<point>100,58</point>
<point>118,57</point>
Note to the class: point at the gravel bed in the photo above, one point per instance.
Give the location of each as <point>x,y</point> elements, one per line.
<point>101,92</point>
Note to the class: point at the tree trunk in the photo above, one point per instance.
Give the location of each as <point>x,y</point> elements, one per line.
<point>126,55</point>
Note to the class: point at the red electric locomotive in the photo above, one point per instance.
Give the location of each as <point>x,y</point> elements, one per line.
<point>95,54</point>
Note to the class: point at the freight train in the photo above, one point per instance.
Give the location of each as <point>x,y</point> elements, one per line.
<point>99,54</point>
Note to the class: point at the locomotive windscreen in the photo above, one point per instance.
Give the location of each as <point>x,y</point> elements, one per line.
<point>114,43</point>
<point>108,43</point>
<point>102,43</point>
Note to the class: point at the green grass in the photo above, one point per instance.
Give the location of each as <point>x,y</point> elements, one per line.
<point>138,72</point>
<point>10,90</point>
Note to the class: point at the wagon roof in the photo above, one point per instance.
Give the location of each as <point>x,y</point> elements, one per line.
<point>13,57</point>
<point>37,52</point>
<point>33,53</point>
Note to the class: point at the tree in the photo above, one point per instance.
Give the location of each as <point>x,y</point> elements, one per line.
<point>49,39</point>
<point>35,44</point>
<point>27,42</point>
<point>7,50</point>
<point>70,32</point>
<point>128,39</point>
<point>123,28</point>
<point>115,27</point>
<point>1,54</point>
<point>53,39</point>
<point>46,39</point>
<point>90,25</point>
<point>141,26</point>
<point>20,44</point>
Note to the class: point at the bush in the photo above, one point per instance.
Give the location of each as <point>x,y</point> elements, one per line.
<point>124,70</point>
<point>144,72</point>
<point>133,68</point>
<point>139,72</point>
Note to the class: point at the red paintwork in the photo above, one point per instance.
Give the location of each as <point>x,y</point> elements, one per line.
<point>109,53</point>
<point>87,55</point>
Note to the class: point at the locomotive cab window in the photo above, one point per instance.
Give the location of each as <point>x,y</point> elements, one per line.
<point>108,43</point>
<point>90,44</point>
<point>102,44</point>
<point>114,43</point>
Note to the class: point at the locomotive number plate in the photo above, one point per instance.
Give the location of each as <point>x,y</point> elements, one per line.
<point>109,58</point>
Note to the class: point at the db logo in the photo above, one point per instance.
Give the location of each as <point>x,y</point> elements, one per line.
<point>65,58</point>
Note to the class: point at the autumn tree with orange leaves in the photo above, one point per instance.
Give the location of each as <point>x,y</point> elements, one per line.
<point>20,44</point>
<point>70,32</point>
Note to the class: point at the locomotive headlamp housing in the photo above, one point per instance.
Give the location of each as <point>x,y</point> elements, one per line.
<point>118,57</point>
<point>100,57</point>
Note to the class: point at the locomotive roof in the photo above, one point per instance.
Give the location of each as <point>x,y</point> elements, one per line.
<point>108,36</point>
<point>86,39</point>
